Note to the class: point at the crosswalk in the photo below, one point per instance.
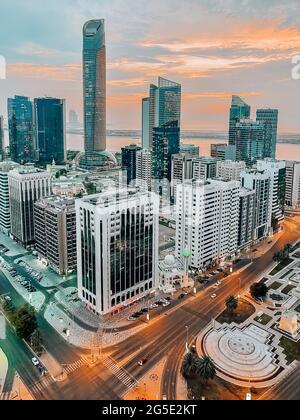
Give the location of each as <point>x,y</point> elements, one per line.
<point>5,396</point>
<point>68,369</point>
<point>120,373</point>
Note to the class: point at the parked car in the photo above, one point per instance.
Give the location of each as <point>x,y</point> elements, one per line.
<point>35,362</point>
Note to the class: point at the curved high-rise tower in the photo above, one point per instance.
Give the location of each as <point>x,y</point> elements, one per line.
<point>94,93</point>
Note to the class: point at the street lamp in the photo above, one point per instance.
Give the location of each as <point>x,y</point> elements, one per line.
<point>187,340</point>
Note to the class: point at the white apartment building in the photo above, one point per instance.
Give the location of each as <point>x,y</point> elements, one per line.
<point>230,170</point>
<point>144,169</point>
<point>292,196</point>
<point>207,220</point>
<point>277,171</point>
<point>260,182</point>
<point>5,168</point>
<point>246,217</point>
<point>26,186</point>
<point>117,248</point>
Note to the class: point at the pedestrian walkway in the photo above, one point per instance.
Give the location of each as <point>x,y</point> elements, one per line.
<point>120,373</point>
<point>69,369</point>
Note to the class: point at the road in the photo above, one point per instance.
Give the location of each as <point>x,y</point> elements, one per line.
<point>164,337</point>
<point>288,390</point>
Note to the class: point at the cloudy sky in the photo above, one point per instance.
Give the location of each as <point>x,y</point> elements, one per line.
<point>213,47</point>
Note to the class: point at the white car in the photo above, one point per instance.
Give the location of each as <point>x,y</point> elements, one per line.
<point>214,296</point>
<point>35,362</point>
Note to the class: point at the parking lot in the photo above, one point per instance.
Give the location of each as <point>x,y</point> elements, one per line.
<point>26,284</point>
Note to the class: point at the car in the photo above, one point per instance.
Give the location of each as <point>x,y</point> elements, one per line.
<point>142,362</point>
<point>165,305</point>
<point>154,306</point>
<point>181,296</point>
<point>7,298</point>
<point>132,318</point>
<point>35,362</point>
<point>144,310</point>
<point>168,299</point>
<point>214,296</point>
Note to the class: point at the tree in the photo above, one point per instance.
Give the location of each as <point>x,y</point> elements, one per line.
<point>277,257</point>
<point>259,290</point>
<point>36,342</point>
<point>232,303</point>
<point>25,321</point>
<point>288,249</point>
<point>206,369</point>
<point>190,365</point>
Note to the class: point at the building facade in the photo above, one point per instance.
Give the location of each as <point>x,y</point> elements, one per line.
<point>117,248</point>
<point>260,182</point>
<point>190,149</point>
<point>1,137</point>
<point>50,129</point>
<point>246,218</point>
<point>129,162</point>
<point>5,168</point>
<point>230,170</point>
<point>144,169</point>
<point>21,129</point>
<point>270,118</point>
<point>239,111</point>
<point>223,151</point>
<point>207,221</point>
<point>292,197</point>
<point>182,170</point>
<point>204,168</point>
<point>26,186</point>
<point>55,233</point>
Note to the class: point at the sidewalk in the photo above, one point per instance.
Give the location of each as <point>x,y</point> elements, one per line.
<point>3,369</point>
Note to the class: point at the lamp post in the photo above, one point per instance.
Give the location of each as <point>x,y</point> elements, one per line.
<point>186,256</point>
<point>187,340</point>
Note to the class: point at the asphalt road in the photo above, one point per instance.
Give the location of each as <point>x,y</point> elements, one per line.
<point>288,390</point>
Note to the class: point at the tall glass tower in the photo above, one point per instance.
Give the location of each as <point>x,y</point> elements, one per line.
<point>50,130</point>
<point>162,107</point>
<point>270,118</point>
<point>21,132</point>
<point>94,91</point>
<point>239,111</point>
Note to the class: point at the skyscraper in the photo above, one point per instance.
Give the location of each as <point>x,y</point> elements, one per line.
<point>129,161</point>
<point>94,91</point>
<point>166,142</point>
<point>144,169</point>
<point>50,130</point>
<point>251,141</point>
<point>1,137</point>
<point>5,168</point>
<point>239,110</point>
<point>292,198</point>
<point>26,186</point>
<point>146,123</point>
<point>117,248</point>
<point>21,129</point>
<point>270,118</point>
<point>162,107</point>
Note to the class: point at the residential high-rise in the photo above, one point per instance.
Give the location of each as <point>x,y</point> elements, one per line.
<point>251,141</point>
<point>163,106</point>
<point>21,129</point>
<point>50,130</point>
<point>5,168</point>
<point>204,168</point>
<point>260,182</point>
<point>73,120</point>
<point>94,92</point>
<point>292,197</point>
<point>190,149</point>
<point>26,186</point>
<point>223,152</point>
<point>230,170</point>
<point>166,142</point>
<point>55,233</point>
<point>144,169</point>
<point>239,111</point>
<point>270,118</point>
<point>277,172</point>
<point>246,217</point>
<point>182,170</point>
<point>129,161</point>
<point>146,123</point>
<point>207,219</point>
<point>1,137</point>
<point>117,248</point>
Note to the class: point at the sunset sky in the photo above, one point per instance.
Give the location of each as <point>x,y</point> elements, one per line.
<point>213,47</point>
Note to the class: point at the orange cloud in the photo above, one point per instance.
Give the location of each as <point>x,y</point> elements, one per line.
<point>217,95</point>
<point>66,73</point>
<point>121,100</point>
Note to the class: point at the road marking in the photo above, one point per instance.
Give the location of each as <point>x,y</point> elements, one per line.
<point>120,373</point>
<point>68,369</point>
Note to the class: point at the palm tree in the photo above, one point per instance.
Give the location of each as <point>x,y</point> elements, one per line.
<point>189,366</point>
<point>288,249</point>
<point>206,369</point>
<point>232,303</point>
